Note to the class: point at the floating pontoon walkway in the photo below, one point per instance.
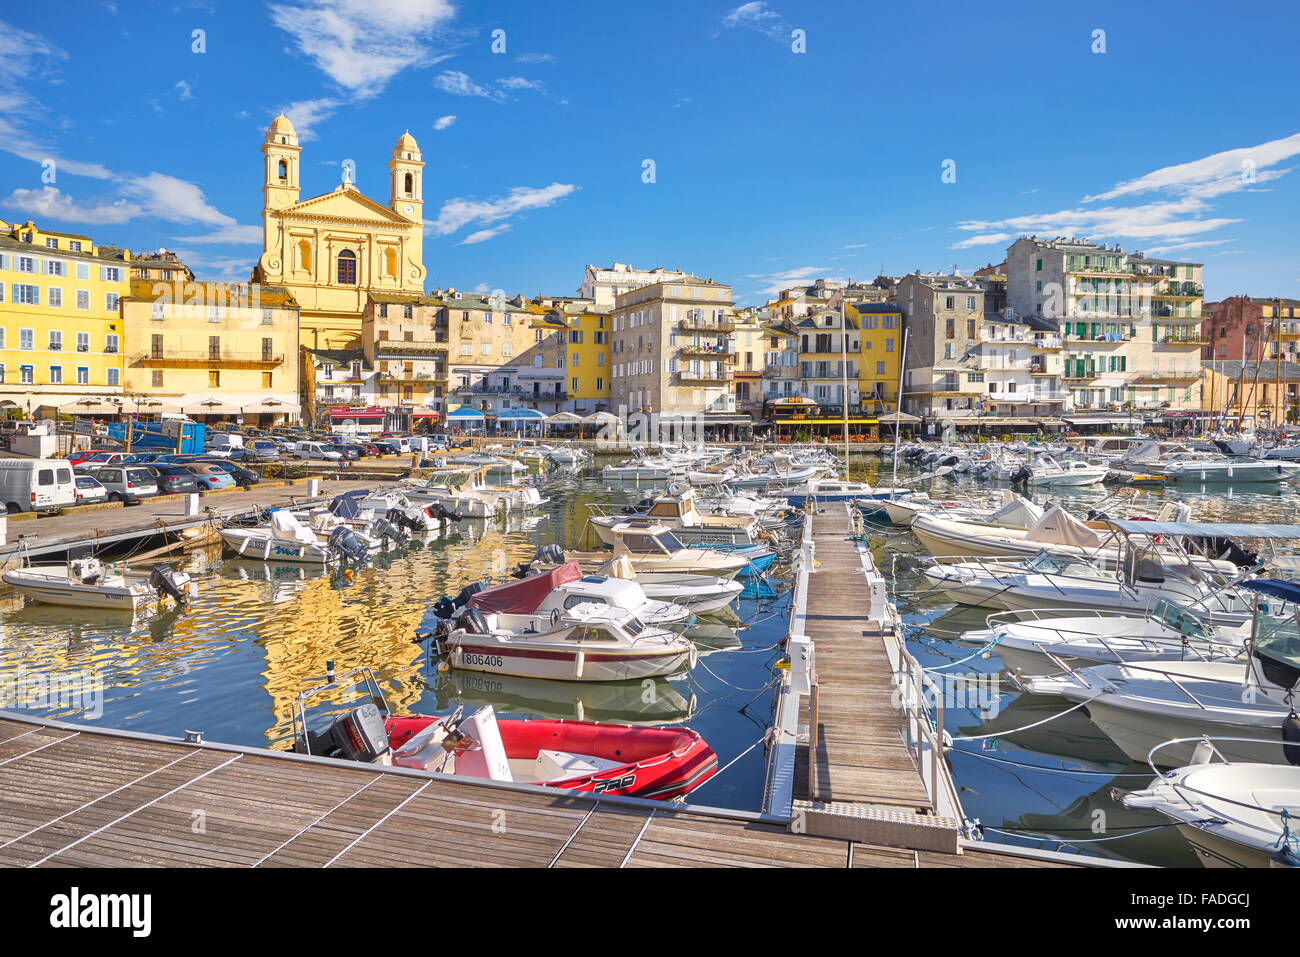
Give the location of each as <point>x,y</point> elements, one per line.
<point>77,796</point>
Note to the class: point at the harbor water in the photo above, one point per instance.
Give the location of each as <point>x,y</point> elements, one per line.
<point>233,664</point>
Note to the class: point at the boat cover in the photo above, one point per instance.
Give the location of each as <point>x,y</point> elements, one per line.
<point>1059,527</point>
<point>524,596</point>
<point>285,527</point>
<point>1018,513</point>
<point>1208,529</point>
<point>620,567</point>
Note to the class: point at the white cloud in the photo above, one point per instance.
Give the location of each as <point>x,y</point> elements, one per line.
<point>1172,221</point>
<point>233,234</point>
<point>491,215</point>
<point>208,268</point>
<point>306,115</point>
<point>442,122</point>
<point>535,58</point>
<point>518,83</point>
<point>758,16</point>
<point>362,45</point>
<point>458,83</point>
<point>49,202</point>
<point>771,283</point>
<point>186,92</point>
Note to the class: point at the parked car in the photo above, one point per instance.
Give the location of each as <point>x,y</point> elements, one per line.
<point>77,457</point>
<point>127,483</point>
<point>210,477</point>
<point>89,490</point>
<point>315,450</point>
<point>99,459</point>
<point>259,450</point>
<point>244,478</point>
<point>174,479</point>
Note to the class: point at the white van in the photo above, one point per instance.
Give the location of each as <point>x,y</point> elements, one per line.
<point>314,450</point>
<point>36,485</point>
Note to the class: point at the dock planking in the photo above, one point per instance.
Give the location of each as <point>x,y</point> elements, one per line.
<point>860,754</point>
<point>79,796</point>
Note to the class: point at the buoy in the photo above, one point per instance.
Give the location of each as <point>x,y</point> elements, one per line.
<point>1291,738</point>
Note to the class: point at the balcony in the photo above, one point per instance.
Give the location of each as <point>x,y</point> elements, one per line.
<point>1191,340</point>
<point>1042,368</point>
<point>715,326</point>
<point>487,390</point>
<point>1093,338</point>
<point>704,378</point>
<point>704,352</point>
<point>424,379</point>
<point>410,347</point>
<point>1172,375</point>
<point>178,358</point>
<point>1046,342</point>
<point>1079,372</point>
<point>781,370</point>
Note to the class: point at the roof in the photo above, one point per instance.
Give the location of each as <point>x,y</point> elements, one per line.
<point>1207,529</point>
<point>887,307</point>
<point>339,355</point>
<point>238,295</point>
<point>103,255</point>
<point>1267,369</point>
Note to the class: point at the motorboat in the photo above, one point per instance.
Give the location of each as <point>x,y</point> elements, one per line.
<point>700,593</point>
<point>776,479</point>
<point>1049,581</point>
<point>549,593</point>
<point>1047,472</point>
<point>1203,467</point>
<point>677,510</point>
<point>583,756</point>
<point>285,538</point>
<point>1034,642</point>
<point>1234,814</point>
<point>88,583</point>
<point>567,455</point>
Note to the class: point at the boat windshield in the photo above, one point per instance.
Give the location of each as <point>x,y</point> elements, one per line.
<point>1276,633</point>
<point>1180,619</point>
<point>670,541</point>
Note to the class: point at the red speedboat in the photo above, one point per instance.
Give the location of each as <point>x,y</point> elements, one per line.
<point>655,763</point>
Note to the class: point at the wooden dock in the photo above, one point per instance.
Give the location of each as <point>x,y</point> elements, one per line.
<point>166,514</point>
<point>77,796</point>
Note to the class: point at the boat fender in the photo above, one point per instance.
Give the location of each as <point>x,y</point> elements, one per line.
<point>1291,738</point>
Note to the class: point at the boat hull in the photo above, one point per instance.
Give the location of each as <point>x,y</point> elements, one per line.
<point>549,660</point>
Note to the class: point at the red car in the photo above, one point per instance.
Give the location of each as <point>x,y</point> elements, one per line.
<point>76,457</point>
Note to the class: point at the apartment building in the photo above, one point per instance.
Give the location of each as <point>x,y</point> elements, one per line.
<point>747,371</point>
<point>673,351</point>
<point>1250,328</point>
<point>1131,324</point>
<point>586,352</point>
<point>213,351</point>
<point>60,322</point>
<point>604,284</point>
<point>944,315</point>
<point>336,380</point>
<point>406,342</point>
<point>505,356</point>
<point>880,342</point>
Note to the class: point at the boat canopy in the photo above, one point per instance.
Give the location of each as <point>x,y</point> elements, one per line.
<point>1059,527</point>
<point>524,596</point>
<point>1275,587</point>
<point>1207,529</point>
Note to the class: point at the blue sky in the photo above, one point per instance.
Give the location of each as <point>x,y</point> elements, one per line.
<point>770,165</point>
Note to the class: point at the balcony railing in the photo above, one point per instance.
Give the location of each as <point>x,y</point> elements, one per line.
<point>1185,340</point>
<point>716,326</point>
<point>1170,375</point>
<point>703,352</point>
<point>781,370</point>
<point>1046,342</point>
<point>407,347</point>
<point>707,378</point>
<point>180,357</point>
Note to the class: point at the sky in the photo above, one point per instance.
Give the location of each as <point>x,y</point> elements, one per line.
<point>764,144</point>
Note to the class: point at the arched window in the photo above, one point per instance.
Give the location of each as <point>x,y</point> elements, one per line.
<point>347,271</point>
<point>390,263</point>
<point>283,168</point>
<point>410,184</point>
<point>304,254</point>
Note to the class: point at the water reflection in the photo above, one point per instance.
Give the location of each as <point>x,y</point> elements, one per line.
<point>258,633</point>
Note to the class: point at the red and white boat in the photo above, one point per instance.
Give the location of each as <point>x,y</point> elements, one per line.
<point>645,762</point>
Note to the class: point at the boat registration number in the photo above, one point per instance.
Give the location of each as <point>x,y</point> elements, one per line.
<point>487,661</point>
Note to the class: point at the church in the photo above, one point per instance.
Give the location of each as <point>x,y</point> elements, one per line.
<point>331,251</point>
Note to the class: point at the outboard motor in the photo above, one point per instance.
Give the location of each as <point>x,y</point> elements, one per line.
<point>386,531</point>
<point>442,513</point>
<point>1021,475</point>
<point>472,622</point>
<point>550,555</point>
<point>163,580</point>
<point>358,735</point>
<point>444,608</point>
<point>343,541</point>
<point>399,518</point>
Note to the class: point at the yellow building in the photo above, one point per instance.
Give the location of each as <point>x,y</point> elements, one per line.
<point>748,382</point>
<point>880,349</point>
<point>586,353</point>
<point>60,332</point>
<point>213,351</point>
<point>331,251</point>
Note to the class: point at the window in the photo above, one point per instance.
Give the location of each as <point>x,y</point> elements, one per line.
<point>266,380</point>
<point>507,348</point>
<point>27,339</point>
<point>56,375</point>
<point>487,348</point>
<point>156,346</point>
<point>114,377</point>
<point>466,349</point>
<point>83,375</point>
<point>574,380</point>
<point>156,378</point>
<point>110,301</point>
<point>55,267</point>
<point>268,317</point>
<point>214,379</point>
<point>55,297</point>
<point>110,343</point>
<point>214,347</point>
<point>56,340</point>
<point>25,264</point>
<point>74,245</point>
<point>83,298</point>
<point>27,295</point>
<point>347,268</point>
<point>110,274</point>
<point>27,375</point>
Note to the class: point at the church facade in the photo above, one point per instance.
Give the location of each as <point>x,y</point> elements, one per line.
<point>331,251</point>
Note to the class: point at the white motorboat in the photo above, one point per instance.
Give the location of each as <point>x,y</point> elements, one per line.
<point>775,479</point>
<point>286,539</point>
<point>1063,582</point>
<point>88,583</point>
<point>699,593</point>
<point>1035,642</point>
<point>1202,467</point>
<point>1234,814</point>
<point>677,510</point>
<point>586,642</point>
<point>1047,472</point>
<point>1008,511</point>
<point>567,455</point>
<point>548,594</point>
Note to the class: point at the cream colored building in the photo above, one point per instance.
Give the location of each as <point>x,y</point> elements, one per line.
<point>604,284</point>
<point>673,351</point>
<point>331,251</point>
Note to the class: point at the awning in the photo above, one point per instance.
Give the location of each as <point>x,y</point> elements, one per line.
<point>464,413</point>
<point>426,414</point>
<point>522,415</point>
<point>1207,529</point>
<point>791,400</point>
<point>901,417</point>
<point>562,418</point>
<point>600,418</point>
<point>727,420</point>
<point>1100,420</point>
<point>92,406</point>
